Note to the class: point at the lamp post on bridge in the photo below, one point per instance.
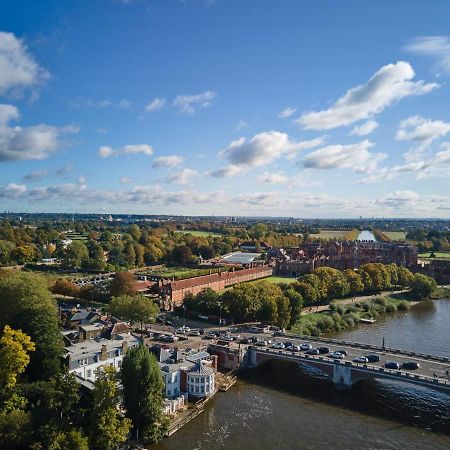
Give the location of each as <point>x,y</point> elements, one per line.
<point>383,346</point>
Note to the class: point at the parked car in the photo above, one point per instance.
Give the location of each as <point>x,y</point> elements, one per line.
<point>150,335</point>
<point>262,343</point>
<point>392,365</point>
<point>183,330</point>
<point>373,358</point>
<point>324,350</point>
<point>305,347</point>
<point>313,351</point>
<point>336,355</point>
<point>245,340</point>
<point>295,348</point>
<point>172,338</point>
<point>194,333</point>
<point>278,345</point>
<point>360,360</point>
<point>344,352</point>
<point>410,365</point>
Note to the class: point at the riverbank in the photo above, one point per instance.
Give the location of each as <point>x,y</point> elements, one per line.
<point>343,316</point>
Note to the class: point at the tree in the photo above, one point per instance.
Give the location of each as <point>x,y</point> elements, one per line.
<point>422,286</point>
<point>123,283</point>
<point>108,428</point>
<point>136,308</point>
<point>76,254</point>
<point>24,254</point>
<point>258,231</point>
<point>130,254</point>
<point>207,252</point>
<point>143,393</point>
<point>354,281</point>
<point>135,232</point>
<point>15,347</point>
<point>182,255</point>
<point>27,304</point>
<point>15,429</point>
<point>309,293</point>
<point>65,287</point>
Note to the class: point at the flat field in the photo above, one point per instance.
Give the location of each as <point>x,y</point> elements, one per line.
<point>199,233</point>
<point>330,234</point>
<point>437,255</point>
<point>395,235</point>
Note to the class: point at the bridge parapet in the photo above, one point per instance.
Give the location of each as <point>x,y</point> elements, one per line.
<point>367,346</point>
<point>344,373</point>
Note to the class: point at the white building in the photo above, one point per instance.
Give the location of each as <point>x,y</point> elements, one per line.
<point>86,357</point>
<point>200,381</point>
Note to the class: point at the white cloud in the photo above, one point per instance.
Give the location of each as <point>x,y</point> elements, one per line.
<point>22,143</point>
<point>144,149</point>
<point>390,84</point>
<point>124,180</point>
<point>36,175</point>
<point>156,105</point>
<point>354,156</point>
<point>261,149</point>
<point>364,129</point>
<point>272,178</point>
<point>167,161</point>
<point>288,112</point>
<point>185,176</point>
<point>421,130</point>
<point>189,104</point>
<point>227,171</point>
<point>437,47</point>
<point>18,69</point>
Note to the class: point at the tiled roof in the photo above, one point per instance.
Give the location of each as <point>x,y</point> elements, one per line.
<point>201,369</point>
<point>207,279</point>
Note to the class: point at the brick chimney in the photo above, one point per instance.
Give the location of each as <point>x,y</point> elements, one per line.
<point>124,347</point>
<point>103,353</point>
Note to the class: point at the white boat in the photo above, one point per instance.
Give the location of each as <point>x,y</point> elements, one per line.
<point>367,320</point>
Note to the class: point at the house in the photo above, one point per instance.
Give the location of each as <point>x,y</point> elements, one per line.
<point>83,317</point>
<point>85,358</point>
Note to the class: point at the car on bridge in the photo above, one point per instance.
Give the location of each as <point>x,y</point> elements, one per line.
<point>336,355</point>
<point>410,365</point>
<point>392,365</point>
<point>324,350</point>
<point>344,352</point>
<point>305,347</point>
<point>313,351</point>
<point>373,358</point>
<point>278,345</point>
<point>360,360</point>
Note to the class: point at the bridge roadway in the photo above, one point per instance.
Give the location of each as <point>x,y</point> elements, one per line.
<point>344,372</point>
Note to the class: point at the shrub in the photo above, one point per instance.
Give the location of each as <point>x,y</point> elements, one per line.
<point>402,306</point>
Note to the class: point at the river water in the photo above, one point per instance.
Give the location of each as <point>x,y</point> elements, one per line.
<point>279,407</point>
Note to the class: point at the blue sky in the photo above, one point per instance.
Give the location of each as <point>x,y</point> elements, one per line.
<point>227,107</point>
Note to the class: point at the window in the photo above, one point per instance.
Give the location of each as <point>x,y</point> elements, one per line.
<point>196,389</point>
<point>88,373</point>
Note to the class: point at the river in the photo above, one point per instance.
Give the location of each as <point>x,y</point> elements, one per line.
<point>279,407</point>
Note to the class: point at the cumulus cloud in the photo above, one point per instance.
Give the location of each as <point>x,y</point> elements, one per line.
<point>436,47</point>
<point>185,176</point>
<point>167,161</point>
<point>272,178</point>
<point>227,171</point>
<point>388,85</point>
<point>240,125</point>
<point>18,69</point>
<point>144,149</point>
<point>354,156</point>
<point>421,130</point>
<point>189,104</point>
<point>288,112</point>
<point>156,105</point>
<point>23,143</point>
<point>261,149</point>
<point>364,129</point>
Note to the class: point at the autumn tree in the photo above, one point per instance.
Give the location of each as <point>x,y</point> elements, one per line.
<point>123,283</point>
<point>65,287</point>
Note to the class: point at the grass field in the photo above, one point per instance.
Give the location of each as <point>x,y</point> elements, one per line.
<point>275,279</point>
<point>199,233</point>
<point>330,234</point>
<point>182,272</point>
<point>437,255</point>
<point>395,235</point>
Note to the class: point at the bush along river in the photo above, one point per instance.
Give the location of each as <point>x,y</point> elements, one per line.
<point>280,406</point>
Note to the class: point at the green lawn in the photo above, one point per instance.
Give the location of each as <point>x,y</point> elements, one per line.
<point>199,233</point>
<point>440,255</point>
<point>330,234</point>
<point>395,235</point>
<point>275,279</point>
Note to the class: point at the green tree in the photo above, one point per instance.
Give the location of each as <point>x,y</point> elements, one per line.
<point>309,293</point>
<point>135,232</point>
<point>108,428</point>
<point>27,304</point>
<point>24,254</point>
<point>143,393</point>
<point>15,429</point>
<point>136,308</point>
<point>354,281</point>
<point>422,286</point>
<point>76,254</point>
<point>182,255</point>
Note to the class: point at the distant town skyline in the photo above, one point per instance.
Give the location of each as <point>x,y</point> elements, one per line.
<point>234,108</point>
